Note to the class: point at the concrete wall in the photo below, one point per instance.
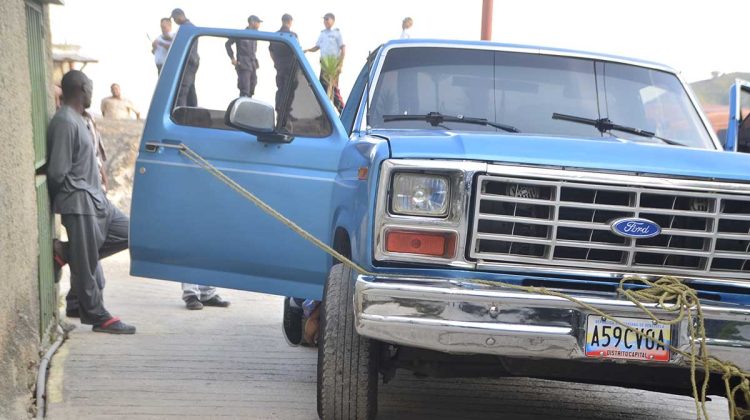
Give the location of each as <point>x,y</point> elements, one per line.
<point>19,306</point>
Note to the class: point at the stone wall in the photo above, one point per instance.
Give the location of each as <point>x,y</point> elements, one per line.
<point>121,139</point>
<point>19,306</point>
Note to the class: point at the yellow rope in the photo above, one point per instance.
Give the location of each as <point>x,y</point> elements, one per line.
<point>668,294</point>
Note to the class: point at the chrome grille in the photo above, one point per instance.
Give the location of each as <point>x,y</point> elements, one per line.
<point>567,223</point>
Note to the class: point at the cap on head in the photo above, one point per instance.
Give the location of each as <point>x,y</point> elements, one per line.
<point>253,18</point>
<point>286,17</point>
<point>329,16</point>
<point>177,12</point>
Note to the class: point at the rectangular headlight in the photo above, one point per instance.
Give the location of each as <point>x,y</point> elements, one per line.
<point>420,194</point>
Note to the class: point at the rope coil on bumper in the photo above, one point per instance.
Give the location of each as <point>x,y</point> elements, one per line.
<point>668,293</point>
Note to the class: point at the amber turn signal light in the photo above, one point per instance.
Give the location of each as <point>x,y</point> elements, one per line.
<point>434,244</point>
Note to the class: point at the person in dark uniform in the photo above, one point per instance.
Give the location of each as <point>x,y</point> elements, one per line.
<point>96,229</point>
<point>187,96</point>
<point>246,62</point>
<point>285,64</point>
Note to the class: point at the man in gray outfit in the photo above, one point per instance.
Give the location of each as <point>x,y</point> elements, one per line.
<point>96,229</point>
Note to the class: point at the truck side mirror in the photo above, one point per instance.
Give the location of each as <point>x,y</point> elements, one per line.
<point>255,117</point>
<point>250,115</point>
<point>738,129</point>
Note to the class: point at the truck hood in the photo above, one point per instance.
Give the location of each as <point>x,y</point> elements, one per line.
<point>603,153</point>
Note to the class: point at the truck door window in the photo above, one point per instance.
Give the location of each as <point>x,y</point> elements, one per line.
<point>210,81</point>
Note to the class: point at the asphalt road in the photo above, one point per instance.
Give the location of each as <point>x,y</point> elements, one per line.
<point>234,363</point>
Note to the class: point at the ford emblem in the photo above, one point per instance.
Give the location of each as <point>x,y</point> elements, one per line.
<point>634,227</point>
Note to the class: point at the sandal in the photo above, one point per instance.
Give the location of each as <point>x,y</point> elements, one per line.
<point>114,326</point>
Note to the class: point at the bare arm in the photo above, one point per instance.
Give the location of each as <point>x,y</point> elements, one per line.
<point>131,107</point>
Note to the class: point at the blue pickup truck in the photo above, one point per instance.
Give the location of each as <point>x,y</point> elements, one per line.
<point>454,167</point>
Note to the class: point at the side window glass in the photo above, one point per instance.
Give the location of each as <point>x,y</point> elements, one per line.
<point>743,140</point>
<point>355,97</point>
<point>219,70</point>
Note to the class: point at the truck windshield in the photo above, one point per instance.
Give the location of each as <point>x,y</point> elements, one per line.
<point>524,90</point>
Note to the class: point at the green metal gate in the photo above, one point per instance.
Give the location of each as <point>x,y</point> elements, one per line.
<point>37,71</point>
<point>47,289</point>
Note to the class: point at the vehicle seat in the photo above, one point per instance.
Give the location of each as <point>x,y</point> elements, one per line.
<point>192,116</point>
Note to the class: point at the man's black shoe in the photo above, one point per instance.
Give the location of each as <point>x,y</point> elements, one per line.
<point>193,303</point>
<point>216,301</point>
<point>292,322</point>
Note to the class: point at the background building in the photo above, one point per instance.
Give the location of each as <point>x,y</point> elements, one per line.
<point>27,309</point>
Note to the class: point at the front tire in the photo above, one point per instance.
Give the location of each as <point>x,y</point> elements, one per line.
<point>347,362</point>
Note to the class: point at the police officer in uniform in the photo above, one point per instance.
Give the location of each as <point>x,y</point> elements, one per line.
<point>246,62</point>
<point>187,96</point>
<point>284,62</point>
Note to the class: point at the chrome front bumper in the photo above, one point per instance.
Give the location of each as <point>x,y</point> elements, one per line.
<point>463,318</point>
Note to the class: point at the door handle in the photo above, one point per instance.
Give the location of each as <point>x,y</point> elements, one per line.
<point>153,146</point>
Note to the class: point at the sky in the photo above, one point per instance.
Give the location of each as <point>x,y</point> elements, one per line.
<point>693,37</point>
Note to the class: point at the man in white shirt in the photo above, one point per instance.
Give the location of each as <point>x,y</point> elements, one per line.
<point>162,43</point>
<point>331,44</point>
<point>406,25</point>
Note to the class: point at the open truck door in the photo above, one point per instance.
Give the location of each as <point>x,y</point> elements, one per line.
<point>738,129</point>
<point>283,145</point>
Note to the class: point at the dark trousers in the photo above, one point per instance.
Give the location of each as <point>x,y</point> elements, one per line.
<point>338,102</point>
<point>286,84</point>
<point>284,89</point>
<point>186,96</point>
<point>158,69</point>
<point>246,82</point>
<point>91,238</point>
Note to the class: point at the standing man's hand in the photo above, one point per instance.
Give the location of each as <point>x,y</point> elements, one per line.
<point>234,62</point>
<point>103,176</point>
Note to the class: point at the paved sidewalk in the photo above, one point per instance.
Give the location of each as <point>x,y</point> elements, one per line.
<point>234,363</point>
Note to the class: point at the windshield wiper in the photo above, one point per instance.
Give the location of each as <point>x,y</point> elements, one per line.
<point>436,118</point>
<point>605,124</point>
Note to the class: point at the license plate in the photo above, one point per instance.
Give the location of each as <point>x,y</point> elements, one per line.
<point>605,339</point>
